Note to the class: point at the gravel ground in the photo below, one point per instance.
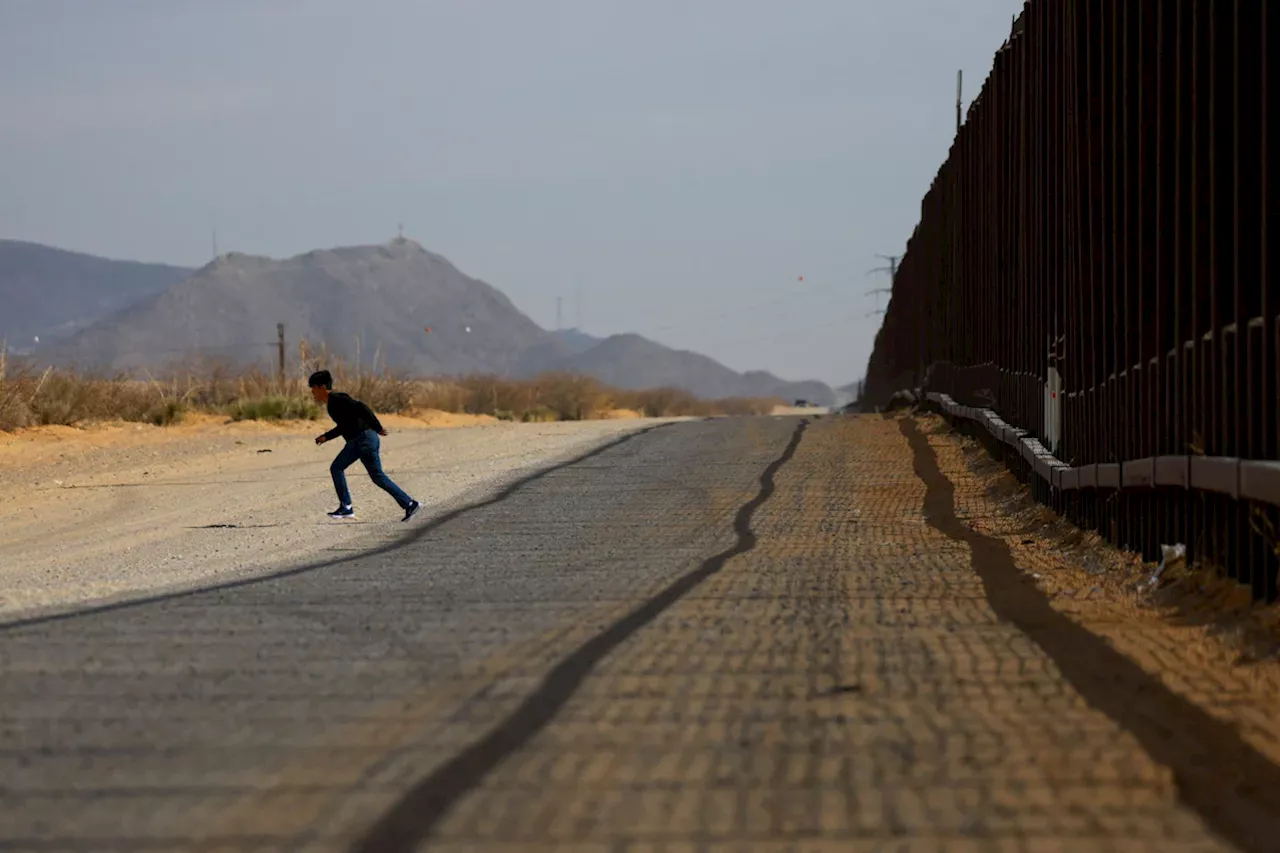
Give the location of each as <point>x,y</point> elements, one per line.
<point>109,523</point>
<point>743,634</point>
<point>196,721</point>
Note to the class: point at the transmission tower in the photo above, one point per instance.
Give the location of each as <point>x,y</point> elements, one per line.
<point>892,270</point>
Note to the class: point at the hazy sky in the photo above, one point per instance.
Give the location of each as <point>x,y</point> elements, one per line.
<point>680,163</point>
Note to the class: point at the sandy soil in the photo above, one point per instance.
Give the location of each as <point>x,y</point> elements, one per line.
<point>1196,631</point>
<point>1199,608</point>
<point>122,510</point>
<point>38,445</point>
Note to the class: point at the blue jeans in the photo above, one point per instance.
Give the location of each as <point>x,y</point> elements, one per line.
<point>365,447</point>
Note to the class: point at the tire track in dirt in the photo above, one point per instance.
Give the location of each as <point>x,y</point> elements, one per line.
<point>415,816</point>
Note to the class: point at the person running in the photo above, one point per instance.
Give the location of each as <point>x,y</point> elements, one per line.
<point>356,423</point>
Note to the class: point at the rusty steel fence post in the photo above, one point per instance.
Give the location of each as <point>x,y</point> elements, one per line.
<point>1091,267</point>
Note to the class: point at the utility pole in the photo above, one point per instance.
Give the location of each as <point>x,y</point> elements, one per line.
<point>280,347</point>
<point>215,244</point>
<point>559,313</point>
<point>959,96</point>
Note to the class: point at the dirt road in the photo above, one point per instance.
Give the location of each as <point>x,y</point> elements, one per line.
<point>118,513</point>
<point>769,634</point>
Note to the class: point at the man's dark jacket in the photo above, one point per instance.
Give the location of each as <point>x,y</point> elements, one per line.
<point>351,416</point>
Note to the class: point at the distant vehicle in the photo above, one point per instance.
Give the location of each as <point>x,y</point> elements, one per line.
<point>802,404</point>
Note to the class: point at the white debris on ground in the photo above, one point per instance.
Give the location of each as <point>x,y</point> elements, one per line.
<point>1170,555</point>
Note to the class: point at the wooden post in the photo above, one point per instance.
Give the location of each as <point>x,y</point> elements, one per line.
<point>280,346</point>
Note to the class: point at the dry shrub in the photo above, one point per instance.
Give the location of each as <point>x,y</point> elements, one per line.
<point>382,389</point>
<point>572,396</point>
<point>383,393</point>
<point>441,395</point>
<point>540,415</point>
<point>660,402</point>
<point>168,412</point>
<point>493,395</point>
<point>17,387</point>
<point>678,403</point>
<point>274,408</point>
<point>212,385</point>
<point>66,397</point>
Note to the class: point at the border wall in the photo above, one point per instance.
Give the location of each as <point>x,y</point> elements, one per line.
<point>1092,269</point>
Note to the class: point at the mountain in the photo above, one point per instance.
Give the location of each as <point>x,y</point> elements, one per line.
<point>363,301</point>
<point>384,296</point>
<point>52,293</point>
<point>630,361</point>
<point>576,341</point>
<point>818,393</point>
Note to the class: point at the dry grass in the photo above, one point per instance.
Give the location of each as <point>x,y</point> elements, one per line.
<point>67,397</point>
<point>51,397</point>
